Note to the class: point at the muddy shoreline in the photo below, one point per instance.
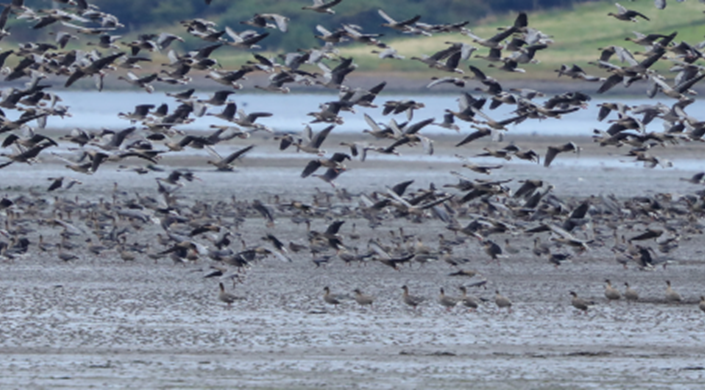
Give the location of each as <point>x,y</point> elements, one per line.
<point>101,321</point>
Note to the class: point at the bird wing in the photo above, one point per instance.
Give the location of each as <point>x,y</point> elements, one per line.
<point>386,17</point>
<point>237,154</point>
<point>551,153</point>
<point>311,167</point>
<point>318,139</point>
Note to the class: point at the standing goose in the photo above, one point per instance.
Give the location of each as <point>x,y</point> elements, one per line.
<point>411,300</point>
<point>501,301</point>
<point>630,294</point>
<point>493,250</point>
<point>580,303</point>
<point>611,293</point>
<point>446,301</point>
<point>329,298</point>
<point>672,296</point>
<point>227,297</point>
<point>470,302</point>
<point>363,299</point>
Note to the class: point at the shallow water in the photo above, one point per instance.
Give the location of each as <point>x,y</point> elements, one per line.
<point>89,110</point>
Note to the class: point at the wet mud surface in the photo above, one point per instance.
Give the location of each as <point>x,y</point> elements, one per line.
<point>99,321</point>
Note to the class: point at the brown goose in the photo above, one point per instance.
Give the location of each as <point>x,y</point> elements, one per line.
<point>630,294</point>
<point>611,293</point>
<point>27,156</point>
<point>330,175</point>
<point>311,143</point>
<point>627,15</point>
<point>470,302</point>
<point>580,303</point>
<point>334,162</point>
<point>411,300</point>
<point>446,301</point>
<point>501,301</point>
<point>493,250</point>
<point>321,7</point>
<point>329,298</point>
<point>261,20</point>
<point>227,297</point>
<point>226,164</point>
<point>363,299</point>
<point>672,296</point>
<point>553,151</point>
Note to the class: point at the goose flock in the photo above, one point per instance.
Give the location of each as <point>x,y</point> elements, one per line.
<point>471,215</point>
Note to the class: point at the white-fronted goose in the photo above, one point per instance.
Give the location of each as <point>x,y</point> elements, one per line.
<point>626,14</point>
<point>501,301</point>
<point>321,7</point>
<point>329,298</point>
<point>446,301</point>
<point>611,293</point>
<point>580,303</point>
<point>261,20</point>
<point>698,178</point>
<point>363,299</point>
<point>470,302</point>
<point>227,297</point>
<point>336,161</point>
<point>311,143</point>
<point>226,164</point>
<point>405,26</point>
<point>58,182</point>
<point>553,151</point>
<point>672,296</point>
<point>409,299</point>
<point>630,294</point>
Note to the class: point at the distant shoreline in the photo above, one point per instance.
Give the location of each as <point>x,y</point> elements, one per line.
<point>398,83</point>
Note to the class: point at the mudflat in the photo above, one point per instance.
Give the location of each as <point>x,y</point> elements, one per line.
<point>99,321</point>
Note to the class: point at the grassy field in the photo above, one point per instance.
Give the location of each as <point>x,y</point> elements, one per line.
<point>578,34</point>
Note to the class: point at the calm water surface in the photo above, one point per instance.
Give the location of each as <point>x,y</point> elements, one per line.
<point>96,110</point>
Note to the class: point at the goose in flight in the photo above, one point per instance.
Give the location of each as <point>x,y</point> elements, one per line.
<point>626,14</point>
<point>334,162</point>
<point>226,164</point>
<point>321,7</point>
<point>142,82</point>
<point>405,26</point>
<point>553,151</point>
<point>311,143</point>
<point>262,21</point>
